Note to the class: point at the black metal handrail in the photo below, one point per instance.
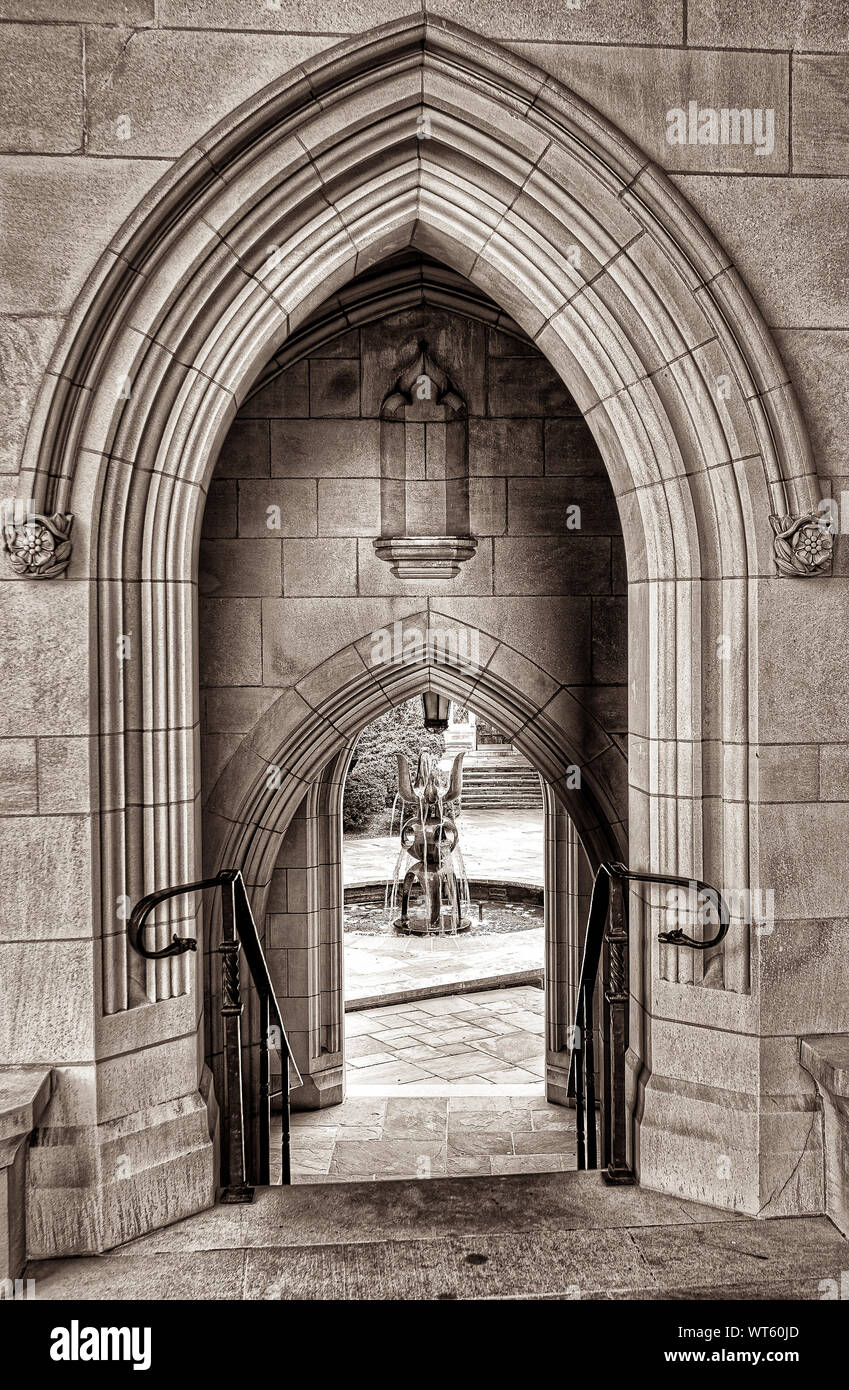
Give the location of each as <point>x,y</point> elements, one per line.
<point>607,944</point>
<point>238,933</point>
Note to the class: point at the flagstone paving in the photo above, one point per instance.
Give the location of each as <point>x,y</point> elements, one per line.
<point>450,1086</point>
<point>395,1136</point>
<point>490,1038</point>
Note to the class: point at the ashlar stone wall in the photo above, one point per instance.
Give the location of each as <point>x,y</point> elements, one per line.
<point>100,98</point>
<point>288,572</point>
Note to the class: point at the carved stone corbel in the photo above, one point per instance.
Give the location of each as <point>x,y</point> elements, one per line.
<point>803,545</point>
<point>38,547</point>
<point>424,516</point>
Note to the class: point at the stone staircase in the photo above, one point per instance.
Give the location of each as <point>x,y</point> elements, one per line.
<point>499,778</point>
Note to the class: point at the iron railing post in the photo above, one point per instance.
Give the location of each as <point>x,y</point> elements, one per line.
<point>606,944</point>
<point>576,1080</point>
<point>616,996</point>
<point>235,1187</point>
<point>589,1078</point>
<point>264,1108</point>
<point>286,1138</point>
<point>606,1071</point>
<point>238,934</point>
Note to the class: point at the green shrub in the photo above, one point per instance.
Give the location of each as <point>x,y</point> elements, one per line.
<point>373,773</point>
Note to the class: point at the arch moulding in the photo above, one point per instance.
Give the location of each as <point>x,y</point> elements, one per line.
<point>292,768</point>
<point>422,134</point>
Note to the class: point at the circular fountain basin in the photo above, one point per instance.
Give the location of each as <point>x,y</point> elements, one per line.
<point>420,926</point>
<point>496,907</point>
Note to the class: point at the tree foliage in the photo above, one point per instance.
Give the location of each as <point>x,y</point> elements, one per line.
<point>373,774</point>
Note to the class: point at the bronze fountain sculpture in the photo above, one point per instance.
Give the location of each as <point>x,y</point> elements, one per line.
<point>430,836</point>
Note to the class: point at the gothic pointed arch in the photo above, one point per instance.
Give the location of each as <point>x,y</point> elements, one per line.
<point>421,133</point>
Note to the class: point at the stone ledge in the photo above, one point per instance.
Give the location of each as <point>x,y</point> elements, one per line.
<point>826,1057</point>
<point>24,1093</point>
<point>438,991</point>
<point>93,1185</point>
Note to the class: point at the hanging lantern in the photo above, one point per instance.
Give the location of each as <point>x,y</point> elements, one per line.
<point>437,711</point>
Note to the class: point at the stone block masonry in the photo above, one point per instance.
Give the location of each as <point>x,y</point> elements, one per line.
<point>102,788</point>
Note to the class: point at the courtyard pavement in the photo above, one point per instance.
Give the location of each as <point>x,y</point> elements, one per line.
<point>450,1086</point>
<point>386,1137</point>
<point>379,966</point>
<point>502,845</point>
<point>491,1038</point>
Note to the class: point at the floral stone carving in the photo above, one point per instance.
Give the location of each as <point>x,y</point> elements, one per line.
<point>39,547</point>
<point>803,545</point>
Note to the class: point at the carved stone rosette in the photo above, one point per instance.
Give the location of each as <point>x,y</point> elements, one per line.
<point>803,545</point>
<point>38,547</point>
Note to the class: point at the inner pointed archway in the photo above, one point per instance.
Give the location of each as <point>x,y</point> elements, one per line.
<point>448,1038</point>
<point>261,822</point>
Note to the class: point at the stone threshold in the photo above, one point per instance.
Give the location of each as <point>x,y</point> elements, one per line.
<point>447,1088</point>
<point>446,987</point>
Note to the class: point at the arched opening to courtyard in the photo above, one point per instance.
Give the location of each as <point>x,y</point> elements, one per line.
<point>486,1090</point>
<point>445,1025</point>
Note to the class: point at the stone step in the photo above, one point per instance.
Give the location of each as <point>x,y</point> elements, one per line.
<point>518,780</point>
<point>506,760</point>
<point>511,779</point>
<point>495,788</point>
<point>498,793</point>
<point>533,1235</point>
<point>501,785</point>
<point>473,802</point>
<point>493,774</point>
<point>508,804</point>
<point>487,789</point>
<point>531,795</point>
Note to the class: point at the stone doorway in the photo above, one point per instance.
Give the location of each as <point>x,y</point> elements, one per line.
<point>304,935</point>
<point>529,631</point>
<point>353,1121</point>
<point>642,327</point>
